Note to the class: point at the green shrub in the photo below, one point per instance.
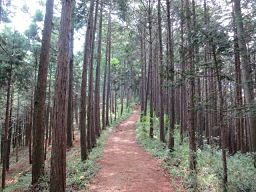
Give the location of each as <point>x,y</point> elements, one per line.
<point>241,171</point>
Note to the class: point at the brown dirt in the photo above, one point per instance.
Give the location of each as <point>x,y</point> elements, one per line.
<point>126,167</point>
<point>17,169</point>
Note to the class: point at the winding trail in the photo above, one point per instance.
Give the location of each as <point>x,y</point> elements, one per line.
<point>126,167</point>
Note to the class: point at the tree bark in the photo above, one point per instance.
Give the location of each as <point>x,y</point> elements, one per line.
<point>97,76</point>
<point>90,123</point>
<point>162,134</point>
<point>59,142</point>
<point>191,112</point>
<point>6,126</point>
<point>40,96</point>
<point>82,123</point>
<point>48,114</point>
<point>151,70</point>
<point>10,130</point>
<point>142,90</point>
<point>247,82</point>
<point>70,91</point>
<point>169,58</point>
<point>105,75</point>
<point>183,103</point>
<point>221,122</point>
<point>108,110</point>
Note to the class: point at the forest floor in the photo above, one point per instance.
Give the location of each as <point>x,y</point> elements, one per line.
<point>119,162</point>
<point>126,167</point>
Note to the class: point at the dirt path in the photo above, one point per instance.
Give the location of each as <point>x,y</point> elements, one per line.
<point>126,167</point>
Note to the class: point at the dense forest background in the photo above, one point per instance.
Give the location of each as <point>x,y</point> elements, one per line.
<point>80,67</point>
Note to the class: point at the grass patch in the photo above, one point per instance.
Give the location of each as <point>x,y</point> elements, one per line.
<point>241,171</point>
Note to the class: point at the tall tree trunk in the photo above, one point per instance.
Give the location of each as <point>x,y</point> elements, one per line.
<point>207,115</point>
<point>142,96</point>
<point>183,103</point>
<point>105,74</point>
<point>76,108</point>
<point>91,124</point>
<point>97,75</point>
<point>191,112</point>
<point>48,114</point>
<point>59,142</point>
<point>70,90</point>
<point>172,98</point>
<point>151,70</point>
<point>221,122</point>
<point>162,134</point>
<point>146,79</point>
<point>6,126</point>
<point>108,110</point>
<point>40,96</point>
<point>238,89</point>
<point>122,99</point>
<point>246,75</point>
<point>82,123</point>
<point>10,131</point>
<point>30,126</point>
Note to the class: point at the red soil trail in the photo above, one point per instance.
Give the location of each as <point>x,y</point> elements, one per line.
<point>126,167</point>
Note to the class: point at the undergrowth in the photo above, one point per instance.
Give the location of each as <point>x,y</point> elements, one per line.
<point>241,171</point>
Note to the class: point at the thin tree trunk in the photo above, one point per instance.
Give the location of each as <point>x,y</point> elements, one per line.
<point>122,99</point>
<point>70,91</point>
<point>48,114</point>
<point>142,78</point>
<point>30,126</point>
<point>108,110</point>
<point>91,124</point>
<point>221,122</point>
<point>6,126</point>
<point>76,108</point>
<point>115,103</point>
<point>147,80</point>
<point>161,99</point>
<point>172,98</point>
<point>97,76</point>
<point>10,131</point>
<point>82,123</point>
<point>40,96</point>
<point>105,74</point>
<point>183,103</point>
<point>191,112</point>
<point>150,69</point>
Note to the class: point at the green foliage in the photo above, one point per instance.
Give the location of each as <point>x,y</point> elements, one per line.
<point>38,17</point>
<point>13,51</point>
<point>80,172</point>
<point>32,31</point>
<point>123,8</point>
<point>23,182</point>
<point>241,171</point>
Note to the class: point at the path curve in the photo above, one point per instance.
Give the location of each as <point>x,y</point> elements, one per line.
<point>126,167</point>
